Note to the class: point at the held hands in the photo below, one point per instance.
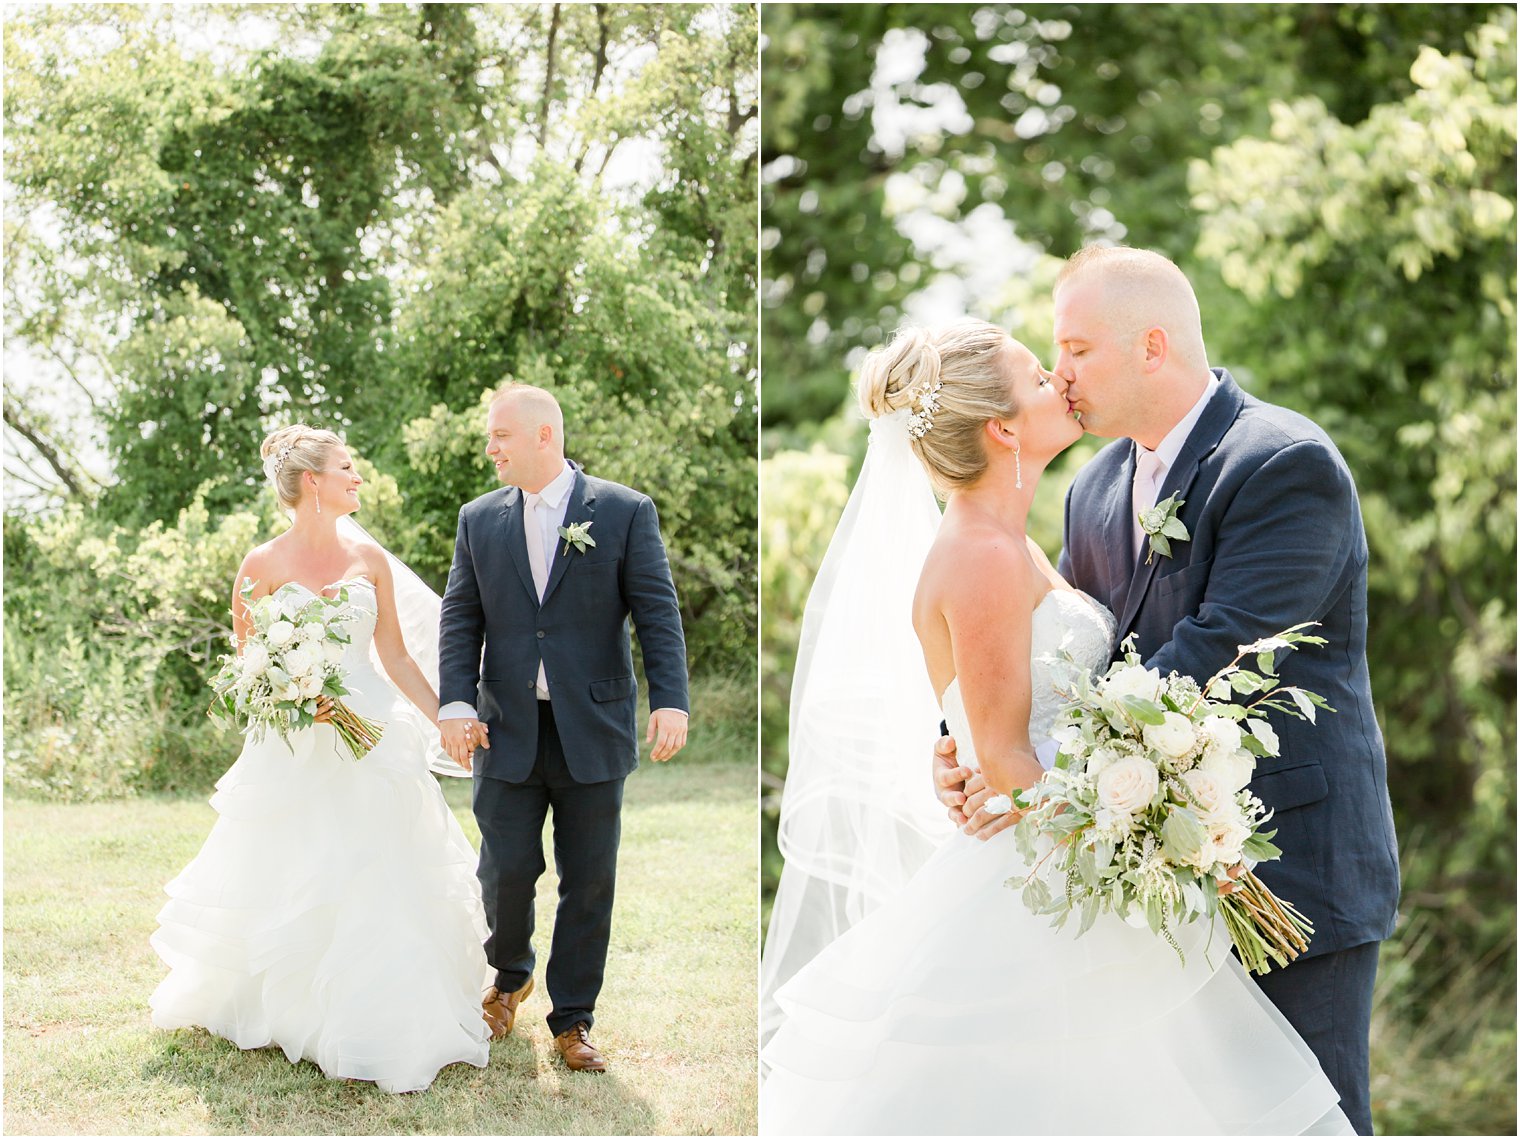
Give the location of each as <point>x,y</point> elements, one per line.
<point>460,739</point>
<point>667,731</point>
<point>965,793</point>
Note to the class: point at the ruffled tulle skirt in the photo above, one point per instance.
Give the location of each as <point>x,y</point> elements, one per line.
<point>953,1010</point>
<point>333,911</point>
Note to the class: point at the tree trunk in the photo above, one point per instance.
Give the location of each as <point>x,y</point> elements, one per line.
<point>543,116</point>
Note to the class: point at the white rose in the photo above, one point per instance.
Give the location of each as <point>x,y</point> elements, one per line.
<point>1215,802</point>
<point>1233,769</point>
<point>1226,843</point>
<point>299,661</point>
<point>1133,680</point>
<point>290,693</point>
<point>1173,737</point>
<point>279,633</point>
<point>312,632</point>
<point>255,659</point>
<point>310,686</point>
<point>1128,785</point>
<point>332,652</point>
<point>1263,731</point>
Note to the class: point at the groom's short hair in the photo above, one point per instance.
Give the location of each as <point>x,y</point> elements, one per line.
<point>538,401</point>
<point>1146,287</point>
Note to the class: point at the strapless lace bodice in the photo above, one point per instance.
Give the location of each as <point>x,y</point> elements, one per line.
<point>1065,621</point>
<point>362,610</point>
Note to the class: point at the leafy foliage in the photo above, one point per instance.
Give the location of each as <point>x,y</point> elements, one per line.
<point>228,219</point>
<point>1338,181</point>
<point>364,218</point>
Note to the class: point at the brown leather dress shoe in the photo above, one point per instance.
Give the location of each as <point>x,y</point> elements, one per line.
<point>580,1054</point>
<point>500,1009</point>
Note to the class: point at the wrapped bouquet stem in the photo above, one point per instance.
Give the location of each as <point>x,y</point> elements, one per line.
<point>1147,812</point>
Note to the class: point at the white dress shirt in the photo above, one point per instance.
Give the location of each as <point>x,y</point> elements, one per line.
<point>543,515</point>
<point>1158,463</point>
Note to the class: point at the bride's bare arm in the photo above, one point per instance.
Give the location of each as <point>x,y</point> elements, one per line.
<point>252,569</point>
<point>390,646</point>
<point>987,609</point>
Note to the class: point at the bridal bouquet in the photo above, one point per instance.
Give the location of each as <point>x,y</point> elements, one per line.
<point>1146,809</point>
<point>292,656</point>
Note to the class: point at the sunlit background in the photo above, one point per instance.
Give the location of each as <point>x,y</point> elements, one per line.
<point>1338,182</point>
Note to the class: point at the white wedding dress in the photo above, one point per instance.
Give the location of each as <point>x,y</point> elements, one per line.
<point>950,1009</point>
<point>333,910</point>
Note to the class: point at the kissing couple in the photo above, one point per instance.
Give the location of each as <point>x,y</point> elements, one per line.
<point>905,989</point>
<point>336,909</point>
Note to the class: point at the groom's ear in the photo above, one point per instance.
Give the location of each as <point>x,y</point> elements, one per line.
<point>1154,347</point>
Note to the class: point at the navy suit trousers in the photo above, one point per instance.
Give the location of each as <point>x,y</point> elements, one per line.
<point>1328,999</point>
<point>587,825</point>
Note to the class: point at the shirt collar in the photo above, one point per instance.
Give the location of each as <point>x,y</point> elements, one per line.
<point>558,487</point>
<point>1171,446</point>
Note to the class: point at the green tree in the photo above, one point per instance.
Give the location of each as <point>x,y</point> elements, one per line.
<point>377,211</point>
<point>1378,259</point>
<point>1075,122</point>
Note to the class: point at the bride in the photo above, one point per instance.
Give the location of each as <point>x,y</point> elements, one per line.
<point>334,910</point>
<point>906,989</point>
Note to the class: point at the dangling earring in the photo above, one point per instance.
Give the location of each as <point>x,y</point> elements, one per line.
<point>317,494</point>
<point>1018,471</point>
<point>319,502</point>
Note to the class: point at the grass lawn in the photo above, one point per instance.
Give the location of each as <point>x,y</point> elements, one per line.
<point>676,1017</point>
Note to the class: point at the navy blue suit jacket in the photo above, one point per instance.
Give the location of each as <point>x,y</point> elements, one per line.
<point>1276,539</point>
<point>580,631</point>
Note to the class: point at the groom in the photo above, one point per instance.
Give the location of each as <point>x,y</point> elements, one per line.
<point>546,574</point>
<point>1274,538</point>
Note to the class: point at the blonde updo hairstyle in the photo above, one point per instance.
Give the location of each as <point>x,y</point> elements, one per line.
<point>292,451</point>
<point>970,363</point>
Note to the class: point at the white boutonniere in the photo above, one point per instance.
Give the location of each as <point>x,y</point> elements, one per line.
<point>1162,525</point>
<point>578,535</point>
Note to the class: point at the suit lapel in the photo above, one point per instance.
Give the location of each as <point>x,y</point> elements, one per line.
<point>1116,533</point>
<point>581,508</point>
<point>517,542</point>
<point>1217,416</point>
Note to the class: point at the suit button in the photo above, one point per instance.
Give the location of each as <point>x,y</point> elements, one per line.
<point>540,634</point>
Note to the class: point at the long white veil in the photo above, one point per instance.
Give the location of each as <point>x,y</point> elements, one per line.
<point>417,609</point>
<point>858,814</point>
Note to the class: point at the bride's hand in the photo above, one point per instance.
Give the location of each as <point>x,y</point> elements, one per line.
<point>324,710</point>
<point>1230,886</point>
<point>979,823</point>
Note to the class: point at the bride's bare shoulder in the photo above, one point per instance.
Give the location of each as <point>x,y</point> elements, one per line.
<point>259,563</point>
<point>972,561</point>
<point>371,555</point>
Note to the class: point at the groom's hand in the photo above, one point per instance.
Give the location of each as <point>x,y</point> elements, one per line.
<point>460,739</point>
<point>950,779</point>
<point>667,731</point>
<point>964,792</point>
